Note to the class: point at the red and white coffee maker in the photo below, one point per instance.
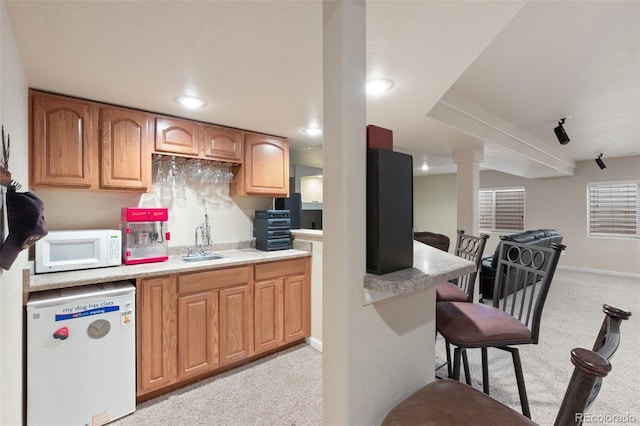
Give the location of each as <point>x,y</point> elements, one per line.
<point>145,237</point>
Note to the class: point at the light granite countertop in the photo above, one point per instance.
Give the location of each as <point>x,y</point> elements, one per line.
<point>430,266</point>
<point>307,234</point>
<point>38,282</point>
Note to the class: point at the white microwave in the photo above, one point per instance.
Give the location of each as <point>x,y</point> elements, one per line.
<point>74,250</point>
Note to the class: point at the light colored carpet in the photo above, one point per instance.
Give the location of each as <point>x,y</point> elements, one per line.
<point>286,388</point>
<point>281,389</point>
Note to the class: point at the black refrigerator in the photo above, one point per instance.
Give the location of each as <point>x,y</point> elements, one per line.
<point>389,211</point>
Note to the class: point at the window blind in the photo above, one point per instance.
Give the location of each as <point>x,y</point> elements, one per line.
<point>501,209</point>
<point>486,209</point>
<point>613,209</point>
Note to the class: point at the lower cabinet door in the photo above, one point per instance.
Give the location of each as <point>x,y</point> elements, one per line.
<point>235,324</point>
<point>297,322</point>
<point>156,334</point>
<point>197,333</point>
<point>268,315</point>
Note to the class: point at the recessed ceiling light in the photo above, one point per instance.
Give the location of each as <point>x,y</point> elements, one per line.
<point>192,102</point>
<point>424,167</point>
<point>377,86</point>
<point>312,131</point>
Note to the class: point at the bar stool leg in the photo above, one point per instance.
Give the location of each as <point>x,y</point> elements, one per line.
<point>485,371</point>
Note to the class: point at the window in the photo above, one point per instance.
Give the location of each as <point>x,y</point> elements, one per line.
<point>502,209</point>
<point>613,209</point>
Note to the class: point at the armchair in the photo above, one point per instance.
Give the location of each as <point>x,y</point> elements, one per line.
<point>539,237</point>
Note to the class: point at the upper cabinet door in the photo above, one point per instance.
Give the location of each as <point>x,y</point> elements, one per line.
<point>177,136</point>
<point>62,142</point>
<point>126,137</point>
<point>265,170</point>
<point>223,144</point>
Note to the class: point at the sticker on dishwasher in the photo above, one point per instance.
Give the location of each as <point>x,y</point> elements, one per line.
<point>126,317</point>
<point>89,310</point>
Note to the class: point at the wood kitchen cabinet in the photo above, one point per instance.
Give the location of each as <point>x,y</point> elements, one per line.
<point>265,169</point>
<point>282,303</point>
<point>156,341</point>
<point>63,145</point>
<point>214,319</point>
<point>126,137</point>
<point>81,144</point>
<point>223,144</point>
<point>87,145</point>
<point>176,136</point>
<point>197,333</point>
<point>297,306</point>
<point>198,140</point>
<point>269,315</point>
<point>236,312</point>
<point>194,324</point>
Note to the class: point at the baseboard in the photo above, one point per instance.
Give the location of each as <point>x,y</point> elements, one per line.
<point>314,343</point>
<point>599,271</point>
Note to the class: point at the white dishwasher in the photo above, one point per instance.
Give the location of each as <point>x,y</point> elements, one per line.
<point>81,355</point>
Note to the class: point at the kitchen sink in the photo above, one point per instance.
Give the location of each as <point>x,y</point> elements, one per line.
<point>202,257</point>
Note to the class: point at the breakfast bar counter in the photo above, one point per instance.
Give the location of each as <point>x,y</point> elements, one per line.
<point>430,266</point>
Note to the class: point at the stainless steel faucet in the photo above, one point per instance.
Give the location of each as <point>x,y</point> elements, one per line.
<point>197,247</point>
<point>205,235</point>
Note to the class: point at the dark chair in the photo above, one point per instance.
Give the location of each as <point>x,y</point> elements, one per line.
<point>449,402</point>
<point>433,239</point>
<point>461,289</point>
<point>511,321</point>
<point>538,237</point>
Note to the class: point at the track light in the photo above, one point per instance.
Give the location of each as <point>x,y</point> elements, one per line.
<point>560,133</point>
<point>600,163</point>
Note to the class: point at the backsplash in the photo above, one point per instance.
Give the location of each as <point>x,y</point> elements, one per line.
<point>230,220</point>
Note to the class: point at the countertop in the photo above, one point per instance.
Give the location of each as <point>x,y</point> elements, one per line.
<point>39,282</point>
<point>307,234</point>
<point>430,266</point>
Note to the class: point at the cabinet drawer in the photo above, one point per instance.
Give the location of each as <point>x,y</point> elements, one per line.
<point>217,278</point>
<point>265,271</point>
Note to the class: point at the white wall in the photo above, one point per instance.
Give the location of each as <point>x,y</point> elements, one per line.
<point>434,206</point>
<point>558,203</point>
<point>13,115</point>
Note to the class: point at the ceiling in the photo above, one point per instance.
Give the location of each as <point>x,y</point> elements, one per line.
<point>487,77</point>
